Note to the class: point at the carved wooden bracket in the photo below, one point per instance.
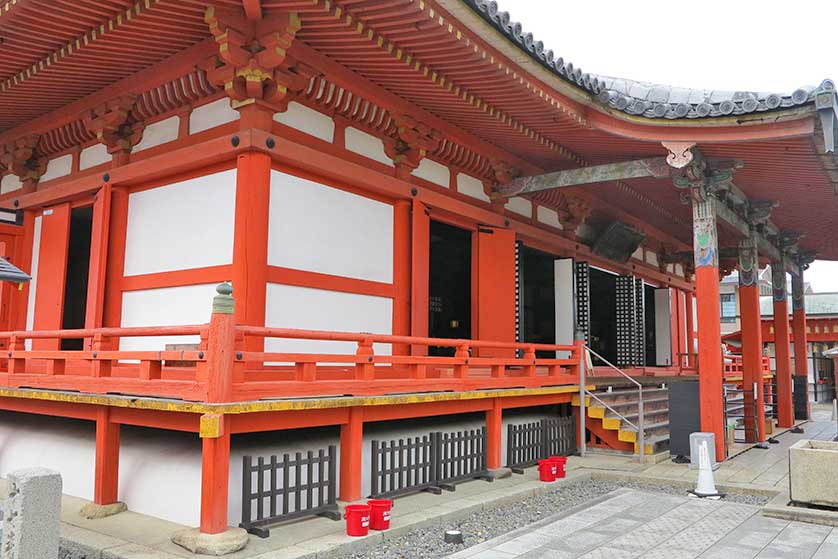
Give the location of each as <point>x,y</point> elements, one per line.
<point>20,157</point>
<point>411,144</point>
<point>252,64</point>
<point>114,125</point>
<point>573,211</point>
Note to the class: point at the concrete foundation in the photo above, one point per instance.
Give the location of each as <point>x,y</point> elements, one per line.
<point>31,516</point>
<point>812,467</point>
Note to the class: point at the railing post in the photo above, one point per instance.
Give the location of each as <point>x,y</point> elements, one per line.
<point>365,370</point>
<point>529,358</point>
<point>579,342</point>
<point>16,365</point>
<point>641,424</point>
<point>461,371</point>
<point>101,367</point>
<point>217,374</point>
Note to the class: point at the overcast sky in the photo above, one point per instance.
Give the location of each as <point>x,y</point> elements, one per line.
<point>711,44</point>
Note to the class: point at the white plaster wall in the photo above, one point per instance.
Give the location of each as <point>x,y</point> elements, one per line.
<point>520,206</point>
<point>289,306</point>
<point>679,270</point>
<point>9,217</point>
<point>317,228</point>
<point>434,172</point>
<point>58,167</point>
<point>159,133</point>
<point>160,471</point>
<point>638,254</point>
<point>366,145</point>
<point>651,258</point>
<point>307,120</point>
<point>211,115</point>
<point>9,183</point>
<point>470,186</point>
<point>548,216</point>
<point>33,283</point>
<point>180,226</point>
<point>97,154</point>
<point>166,306</point>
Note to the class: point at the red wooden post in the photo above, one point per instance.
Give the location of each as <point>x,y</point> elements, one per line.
<point>461,371</point>
<point>401,274</point>
<point>494,434</point>
<point>217,371</point>
<point>215,471</point>
<point>782,356</point>
<point>106,478</point>
<point>351,453</point>
<point>365,370</point>
<point>801,346</point>
<point>710,370</point>
<point>751,341</point>
<point>16,365</point>
<point>101,368</point>
<point>529,361</point>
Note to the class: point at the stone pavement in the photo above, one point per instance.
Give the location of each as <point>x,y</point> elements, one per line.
<point>635,524</point>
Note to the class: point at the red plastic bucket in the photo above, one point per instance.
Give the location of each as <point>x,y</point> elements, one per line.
<point>546,470</point>
<point>357,520</point>
<point>561,465</point>
<point>380,513</point>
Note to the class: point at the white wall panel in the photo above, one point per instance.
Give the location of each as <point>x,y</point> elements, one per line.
<point>470,186</point>
<point>651,258</point>
<point>160,132</point>
<point>520,206</point>
<point>433,172</point>
<point>366,145</point>
<point>308,120</point>
<point>289,306</point>
<point>9,183</point>
<point>211,115</point>
<point>58,167</point>
<point>317,228</point>
<point>166,306</point>
<point>548,216</point>
<point>183,225</point>
<point>97,154</point>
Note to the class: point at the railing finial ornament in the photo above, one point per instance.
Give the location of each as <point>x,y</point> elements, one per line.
<point>223,302</point>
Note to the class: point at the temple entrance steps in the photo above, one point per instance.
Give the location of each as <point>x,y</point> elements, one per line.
<point>614,413</point>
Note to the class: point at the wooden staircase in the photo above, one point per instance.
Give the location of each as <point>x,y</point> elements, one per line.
<point>615,432</point>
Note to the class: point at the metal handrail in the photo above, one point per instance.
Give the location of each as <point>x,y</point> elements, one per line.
<point>641,426</point>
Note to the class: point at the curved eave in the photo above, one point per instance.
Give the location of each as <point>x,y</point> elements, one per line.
<point>777,123</point>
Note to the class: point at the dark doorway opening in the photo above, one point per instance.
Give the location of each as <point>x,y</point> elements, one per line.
<point>651,329</point>
<point>539,292</point>
<point>449,285</point>
<point>78,267</point>
<point>603,306</point>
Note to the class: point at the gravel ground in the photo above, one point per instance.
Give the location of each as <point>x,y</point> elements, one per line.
<point>426,542</point>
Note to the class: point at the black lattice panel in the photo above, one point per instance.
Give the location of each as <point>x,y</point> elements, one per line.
<point>640,323</point>
<point>626,321</point>
<point>582,271</point>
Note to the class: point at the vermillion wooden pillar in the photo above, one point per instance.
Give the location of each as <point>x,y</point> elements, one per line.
<point>106,477</point>
<point>751,341</point>
<point>706,250</point>
<point>351,454</point>
<point>97,274</point>
<point>420,274</point>
<point>215,472</point>
<point>782,353</point>
<point>494,435</point>
<point>401,274</point>
<point>250,240</point>
<point>115,265</point>
<point>802,409</point>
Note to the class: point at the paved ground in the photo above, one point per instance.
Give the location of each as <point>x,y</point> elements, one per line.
<point>634,524</point>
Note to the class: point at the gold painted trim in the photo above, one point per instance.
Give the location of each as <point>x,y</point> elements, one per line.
<point>181,406</point>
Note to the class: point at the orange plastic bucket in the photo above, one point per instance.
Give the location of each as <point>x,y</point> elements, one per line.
<point>357,520</point>
<point>561,465</point>
<point>380,513</point>
<point>546,470</point>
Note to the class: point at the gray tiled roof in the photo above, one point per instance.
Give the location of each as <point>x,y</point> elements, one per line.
<point>641,98</point>
<point>817,304</point>
<point>10,272</point>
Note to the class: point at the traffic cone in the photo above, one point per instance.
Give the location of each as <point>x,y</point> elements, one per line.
<point>706,487</point>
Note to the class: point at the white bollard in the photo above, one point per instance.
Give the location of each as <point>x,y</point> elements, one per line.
<point>706,487</point>
<point>834,410</point>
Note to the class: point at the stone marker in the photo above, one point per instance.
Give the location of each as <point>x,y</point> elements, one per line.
<point>31,517</point>
<point>812,468</point>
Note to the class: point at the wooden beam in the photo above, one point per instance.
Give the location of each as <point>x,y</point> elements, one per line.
<point>252,9</point>
<point>654,167</point>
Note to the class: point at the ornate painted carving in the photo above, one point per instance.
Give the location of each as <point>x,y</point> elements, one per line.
<point>680,153</point>
<point>798,300</point>
<point>573,212</point>
<point>748,262</point>
<point>705,236</point>
<point>114,125</point>
<point>504,172</point>
<point>411,144</point>
<point>778,281</point>
<point>252,64</point>
<point>21,158</point>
